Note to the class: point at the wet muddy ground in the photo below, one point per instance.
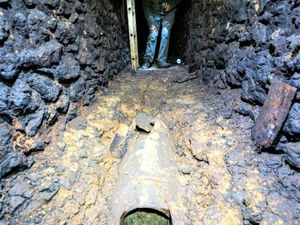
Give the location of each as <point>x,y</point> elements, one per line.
<point>225,180</point>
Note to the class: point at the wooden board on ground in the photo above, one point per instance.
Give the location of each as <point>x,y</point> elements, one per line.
<point>273,114</point>
<point>132,34</point>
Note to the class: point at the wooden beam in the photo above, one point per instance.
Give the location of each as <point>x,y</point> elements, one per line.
<point>273,114</point>
<point>132,34</point>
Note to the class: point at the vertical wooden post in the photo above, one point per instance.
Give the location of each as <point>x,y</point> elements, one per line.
<point>132,34</point>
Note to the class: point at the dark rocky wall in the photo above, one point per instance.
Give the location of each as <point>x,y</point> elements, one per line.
<point>245,44</point>
<point>54,56</point>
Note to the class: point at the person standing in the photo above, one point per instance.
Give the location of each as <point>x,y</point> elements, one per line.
<point>159,13</point>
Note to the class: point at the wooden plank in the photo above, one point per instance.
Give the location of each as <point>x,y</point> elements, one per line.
<point>273,114</point>
<point>132,34</point>
<point>136,51</point>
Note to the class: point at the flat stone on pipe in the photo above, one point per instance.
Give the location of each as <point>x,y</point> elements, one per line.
<point>148,178</point>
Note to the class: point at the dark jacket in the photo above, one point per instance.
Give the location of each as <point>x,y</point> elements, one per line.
<point>156,6</point>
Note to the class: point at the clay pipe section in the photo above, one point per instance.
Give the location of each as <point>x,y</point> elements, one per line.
<point>148,178</point>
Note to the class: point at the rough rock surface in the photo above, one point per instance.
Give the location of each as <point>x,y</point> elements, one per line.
<point>52,53</point>
<point>246,44</point>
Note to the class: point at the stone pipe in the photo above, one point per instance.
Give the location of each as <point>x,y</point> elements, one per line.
<point>148,178</point>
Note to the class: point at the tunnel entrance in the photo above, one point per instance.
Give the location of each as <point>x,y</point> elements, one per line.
<point>146,217</point>
<point>179,36</point>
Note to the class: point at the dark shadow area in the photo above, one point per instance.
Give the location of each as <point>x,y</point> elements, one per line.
<point>142,29</point>
<point>179,36</point>
<point>179,43</point>
<point>146,216</point>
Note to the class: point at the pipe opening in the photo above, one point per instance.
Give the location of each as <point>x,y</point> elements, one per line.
<point>146,217</point>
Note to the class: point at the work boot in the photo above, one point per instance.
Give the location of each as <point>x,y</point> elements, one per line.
<point>163,65</point>
<point>146,65</point>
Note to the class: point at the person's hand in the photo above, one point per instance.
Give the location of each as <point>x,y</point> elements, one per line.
<point>166,7</point>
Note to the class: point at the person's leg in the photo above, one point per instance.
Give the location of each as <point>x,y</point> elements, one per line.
<point>154,25</point>
<point>167,23</point>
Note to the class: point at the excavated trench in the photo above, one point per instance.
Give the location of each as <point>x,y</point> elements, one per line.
<point>71,111</point>
<point>224,180</point>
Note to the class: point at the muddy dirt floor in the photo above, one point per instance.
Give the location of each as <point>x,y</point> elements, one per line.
<point>225,180</point>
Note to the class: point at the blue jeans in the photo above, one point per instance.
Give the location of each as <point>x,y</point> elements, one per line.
<point>154,23</point>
